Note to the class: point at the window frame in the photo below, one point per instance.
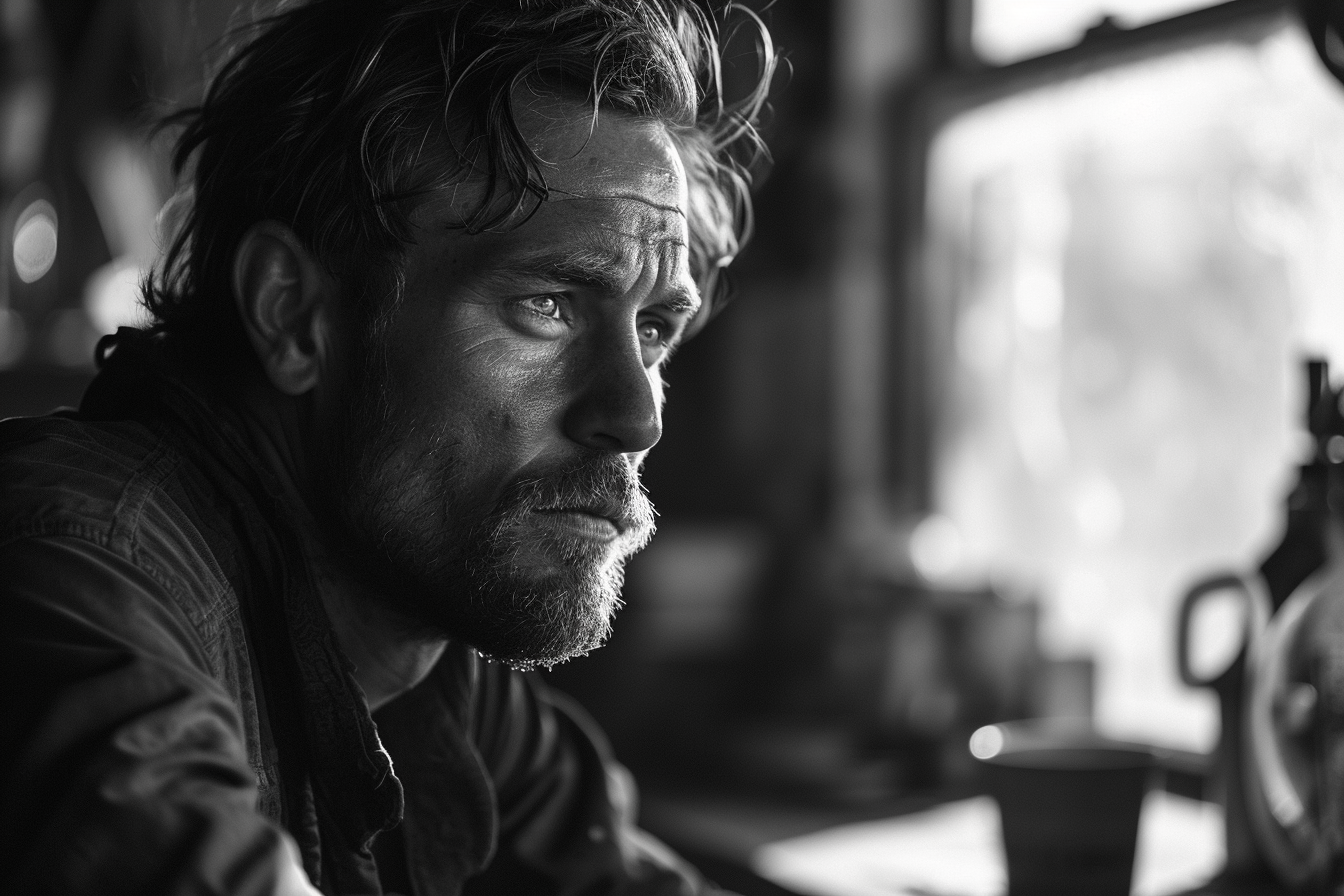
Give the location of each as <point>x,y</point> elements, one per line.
<point>916,117</point>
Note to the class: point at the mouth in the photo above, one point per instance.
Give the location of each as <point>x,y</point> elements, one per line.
<point>593,523</point>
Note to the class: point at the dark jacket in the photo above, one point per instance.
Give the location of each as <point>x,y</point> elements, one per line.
<point>174,698</point>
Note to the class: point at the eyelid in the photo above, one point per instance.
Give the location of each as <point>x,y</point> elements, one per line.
<point>677,314</point>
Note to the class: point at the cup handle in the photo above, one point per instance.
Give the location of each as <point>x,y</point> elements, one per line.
<point>1256,598</point>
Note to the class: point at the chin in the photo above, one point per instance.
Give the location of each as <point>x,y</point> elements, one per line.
<point>532,620</point>
<point>543,597</point>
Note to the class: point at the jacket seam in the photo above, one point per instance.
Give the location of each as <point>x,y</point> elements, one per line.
<point>97,535</point>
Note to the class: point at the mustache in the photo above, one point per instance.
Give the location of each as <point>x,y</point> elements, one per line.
<point>603,485</point>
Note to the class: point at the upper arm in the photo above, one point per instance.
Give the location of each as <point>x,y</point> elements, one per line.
<point>123,760</point>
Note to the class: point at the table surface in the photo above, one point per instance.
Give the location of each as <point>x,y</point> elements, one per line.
<point>932,845</point>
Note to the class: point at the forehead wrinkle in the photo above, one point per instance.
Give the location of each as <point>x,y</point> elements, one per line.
<point>651,238</point>
<point>648,225</point>
<point>557,195</point>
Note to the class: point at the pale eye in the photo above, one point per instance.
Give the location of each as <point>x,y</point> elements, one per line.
<point>546,306</point>
<point>652,333</point>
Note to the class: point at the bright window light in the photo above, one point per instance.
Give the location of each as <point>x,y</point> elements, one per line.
<point>1126,272</point>
<point>1004,31</point>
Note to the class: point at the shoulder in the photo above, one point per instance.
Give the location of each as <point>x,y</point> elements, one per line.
<point>63,474</point>
<point>112,494</point>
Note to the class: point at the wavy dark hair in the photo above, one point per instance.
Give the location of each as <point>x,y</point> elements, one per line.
<point>333,116</point>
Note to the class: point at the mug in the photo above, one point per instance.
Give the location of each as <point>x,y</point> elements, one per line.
<point>1069,800</point>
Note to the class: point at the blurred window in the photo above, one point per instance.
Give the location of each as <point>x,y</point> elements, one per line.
<point>1127,269</point>
<point>1004,31</point>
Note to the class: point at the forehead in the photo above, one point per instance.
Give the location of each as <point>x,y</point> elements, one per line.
<point>611,178</point>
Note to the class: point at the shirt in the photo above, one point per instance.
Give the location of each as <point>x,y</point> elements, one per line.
<point>180,717</point>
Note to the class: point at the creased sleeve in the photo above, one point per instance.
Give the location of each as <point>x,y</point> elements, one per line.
<point>124,765</point>
<point>567,808</point>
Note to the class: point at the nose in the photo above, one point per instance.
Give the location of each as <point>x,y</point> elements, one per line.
<point>619,405</point>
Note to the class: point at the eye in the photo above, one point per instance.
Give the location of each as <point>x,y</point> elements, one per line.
<point>543,306</point>
<point>653,333</point>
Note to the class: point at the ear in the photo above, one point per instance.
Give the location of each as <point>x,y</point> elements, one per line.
<point>287,304</point>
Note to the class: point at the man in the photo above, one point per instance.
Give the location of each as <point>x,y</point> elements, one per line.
<point>270,595</point>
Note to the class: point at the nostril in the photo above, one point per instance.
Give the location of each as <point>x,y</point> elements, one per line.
<point>605,442</point>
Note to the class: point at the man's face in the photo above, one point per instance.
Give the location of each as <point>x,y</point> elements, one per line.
<point>486,471</point>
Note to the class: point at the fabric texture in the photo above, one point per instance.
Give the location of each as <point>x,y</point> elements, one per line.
<point>181,718</point>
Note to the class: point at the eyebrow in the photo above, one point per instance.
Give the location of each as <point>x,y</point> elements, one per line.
<point>598,270</point>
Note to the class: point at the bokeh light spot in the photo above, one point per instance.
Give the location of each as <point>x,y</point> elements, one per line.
<point>35,241</point>
<point>1334,449</point>
<point>936,548</point>
<point>112,295</point>
<point>987,742</point>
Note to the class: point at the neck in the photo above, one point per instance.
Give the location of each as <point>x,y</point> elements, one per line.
<point>389,657</point>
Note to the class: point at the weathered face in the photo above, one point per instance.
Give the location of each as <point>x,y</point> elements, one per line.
<point>495,435</point>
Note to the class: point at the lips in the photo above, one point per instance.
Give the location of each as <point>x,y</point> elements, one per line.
<point>609,509</point>
<point>589,523</point>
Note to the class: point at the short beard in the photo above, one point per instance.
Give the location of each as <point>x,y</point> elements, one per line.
<point>528,617</point>
<point>449,563</point>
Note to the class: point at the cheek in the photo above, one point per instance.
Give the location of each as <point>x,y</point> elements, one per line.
<point>496,400</point>
<point>512,412</point>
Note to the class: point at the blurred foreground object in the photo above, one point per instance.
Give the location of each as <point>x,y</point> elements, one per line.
<point>1069,800</point>
<point>1277,663</point>
<point>1295,701</point>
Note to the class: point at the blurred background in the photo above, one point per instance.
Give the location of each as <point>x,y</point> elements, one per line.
<point>1014,358</point>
